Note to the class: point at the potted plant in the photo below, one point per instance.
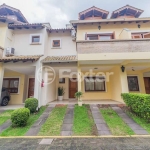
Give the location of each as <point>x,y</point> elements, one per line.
<point>78,95</point>
<point>61,92</point>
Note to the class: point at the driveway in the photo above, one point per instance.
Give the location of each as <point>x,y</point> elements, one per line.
<point>119,143</point>
<point>11,107</point>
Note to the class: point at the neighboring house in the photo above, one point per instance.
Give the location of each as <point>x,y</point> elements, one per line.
<point>120,45</point>
<point>23,45</point>
<point>91,49</point>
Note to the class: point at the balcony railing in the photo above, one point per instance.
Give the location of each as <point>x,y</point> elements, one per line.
<point>113,46</point>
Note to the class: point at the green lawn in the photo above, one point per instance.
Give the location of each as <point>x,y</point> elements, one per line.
<point>52,126</point>
<point>83,122</point>
<point>5,116</point>
<point>143,123</point>
<point>20,131</point>
<point>116,125</point>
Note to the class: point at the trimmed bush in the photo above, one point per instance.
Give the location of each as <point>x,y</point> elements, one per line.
<point>31,104</point>
<point>138,103</point>
<point>19,117</point>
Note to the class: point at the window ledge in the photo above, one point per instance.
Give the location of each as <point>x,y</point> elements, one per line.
<point>56,47</point>
<point>35,43</point>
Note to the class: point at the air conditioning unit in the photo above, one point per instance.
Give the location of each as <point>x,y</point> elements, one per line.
<point>10,51</point>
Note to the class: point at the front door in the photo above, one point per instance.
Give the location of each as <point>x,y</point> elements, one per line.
<point>72,88</point>
<point>147,84</point>
<point>31,87</point>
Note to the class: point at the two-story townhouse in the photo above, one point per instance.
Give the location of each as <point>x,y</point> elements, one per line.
<point>59,63</point>
<point>113,54</point>
<point>24,44</point>
<point>36,47</point>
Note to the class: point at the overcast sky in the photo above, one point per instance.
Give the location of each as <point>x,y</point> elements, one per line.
<point>59,12</point>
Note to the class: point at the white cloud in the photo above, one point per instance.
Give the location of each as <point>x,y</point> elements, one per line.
<point>59,12</point>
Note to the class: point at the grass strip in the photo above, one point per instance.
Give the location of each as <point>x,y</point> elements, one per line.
<point>5,116</point>
<point>142,122</point>
<point>52,126</point>
<point>83,123</point>
<point>115,123</point>
<point>20,131</point>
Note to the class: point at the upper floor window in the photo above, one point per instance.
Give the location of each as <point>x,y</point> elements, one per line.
<point>99,36</point>
<point>35,39</point>
<point>56,43</point>
<point>140,35</point>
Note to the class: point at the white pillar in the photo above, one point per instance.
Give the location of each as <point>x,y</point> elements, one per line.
<point>79,78</point>
<point>1,76</point>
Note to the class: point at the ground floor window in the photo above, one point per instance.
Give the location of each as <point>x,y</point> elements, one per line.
<point>11,84</point>
<point>133,83</point>
<point>94,84</point>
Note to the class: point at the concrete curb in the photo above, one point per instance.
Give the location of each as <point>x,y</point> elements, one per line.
<point>61,137</point>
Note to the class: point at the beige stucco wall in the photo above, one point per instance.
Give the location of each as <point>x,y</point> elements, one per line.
<point>68,47</point>
<point>3,31</point>
<point>16,98</point>
<point>22,45</point>
<point>111,27</point>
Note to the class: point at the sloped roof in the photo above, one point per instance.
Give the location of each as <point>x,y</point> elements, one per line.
<point>6,10</point>
<point>21,58</point>
<point>60,58</point>
<point>127,10</point>
<point>93,11</point>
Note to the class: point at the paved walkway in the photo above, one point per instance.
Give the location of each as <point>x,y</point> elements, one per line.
<point>66,129</point>
<point>77,144</point>
<point>130,122</point>
<point>5,125</point>
<point>99,121</point>
<point>34,130</point>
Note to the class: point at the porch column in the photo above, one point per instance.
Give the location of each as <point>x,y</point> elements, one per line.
<point>79,78</point>
<point>37,86</point>
<point>1,76</point>
<point>124,82</point>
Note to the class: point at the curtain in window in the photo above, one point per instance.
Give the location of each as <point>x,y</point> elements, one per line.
<point>99,84</point>
<point>89,84</point>
<point>6,83</point>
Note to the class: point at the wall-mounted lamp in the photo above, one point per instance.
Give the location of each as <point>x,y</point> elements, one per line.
<point>133,69</point>
<point>139,26</point>
<point>99,27</point>
<point>122,68</point>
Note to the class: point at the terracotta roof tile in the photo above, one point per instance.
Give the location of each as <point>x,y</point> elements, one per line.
<point>21,57</point>
<point>60,58</point>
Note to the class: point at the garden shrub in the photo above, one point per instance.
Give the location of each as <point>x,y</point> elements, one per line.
<point>19,117</point>
<point>138,103</point>
<point>31,104</point>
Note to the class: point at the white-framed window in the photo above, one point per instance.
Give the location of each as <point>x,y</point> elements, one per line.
<point>12,84</point>
<point>35,39</point>
<point>56,43</point>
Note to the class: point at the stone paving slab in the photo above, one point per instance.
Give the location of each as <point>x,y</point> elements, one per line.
<point>34,130</point>
<point>132,124</point>
<point>99,121</point>
<point>46,141</point>
<point>5,125</point>
<point>66,129</point>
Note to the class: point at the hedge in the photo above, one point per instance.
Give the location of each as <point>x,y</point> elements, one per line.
<point>138,103</point>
